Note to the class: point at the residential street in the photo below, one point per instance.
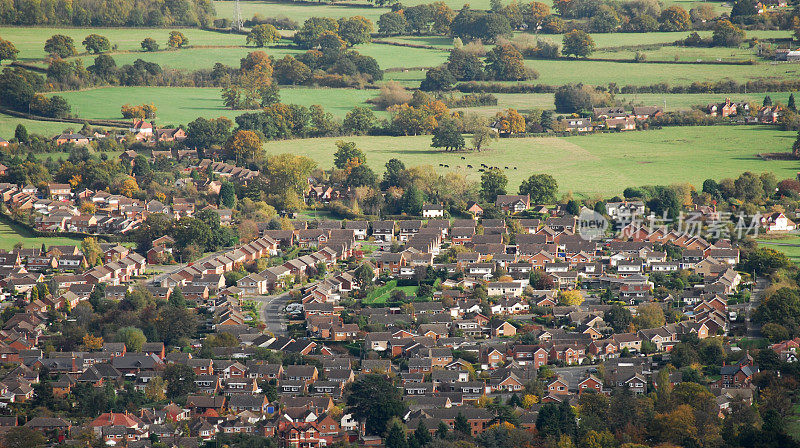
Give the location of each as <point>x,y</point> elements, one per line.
<point>271,310</point>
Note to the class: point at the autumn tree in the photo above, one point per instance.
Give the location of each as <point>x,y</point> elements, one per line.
<point>675,18</point>
<point>534,14</point>
<point>61,45</point>
<point>726,34</point>
<point>289,70</point>
<point>245,146</point>
<point>155,390</point>
<point>262,35</point>
<point>570,297</point>
<point>504,63</point>
<point>8,52</point>
<point>510,122</point>
<point>91,251</point>
<point>649,315</point>
<point>96,43</point>
<point>92,342</point>
<point>578,43</point>
<point>177,40</point>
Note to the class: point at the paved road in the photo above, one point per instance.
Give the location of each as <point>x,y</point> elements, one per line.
<point>271,310</point>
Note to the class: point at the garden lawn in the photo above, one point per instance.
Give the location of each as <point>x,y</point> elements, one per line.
<point>598,164</point>
<point>9,236</point>
<point>180,105</point>
<point>30,40</point>
<point>384,293</point>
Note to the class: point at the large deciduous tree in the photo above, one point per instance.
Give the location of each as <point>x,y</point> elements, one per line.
<point>60,45</point>
<point>263,35</point>
<point>375,400</point>
<point>542,188</point>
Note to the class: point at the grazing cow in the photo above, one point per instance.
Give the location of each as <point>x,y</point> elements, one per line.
<point>463,158</point>
<point>515,167</point>
<point>469,166</point>
<point>505,168</point>
<point>481,170</point>
<point>447,166</point>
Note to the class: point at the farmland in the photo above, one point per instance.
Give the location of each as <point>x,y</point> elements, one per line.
<point>788,244</point>
<point>30,40</point>
<point>8,124</point>
<point>667,156</point>
<point>182,105</point>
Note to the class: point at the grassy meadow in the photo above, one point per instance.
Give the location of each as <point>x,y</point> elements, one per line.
<point>608,163</point>
<point>788,244</point>
<point>9,123</point>
<point>30,40</point>
<point>178,105</point>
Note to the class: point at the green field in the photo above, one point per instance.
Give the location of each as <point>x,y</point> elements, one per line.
<point>673,53</point>
<point>566,71</point>
<point>9,236</point>
<point>30,40</point>
<point>526,102</point>
<point>8,124</point>
<point>195,58</point>
<point>607,163</point>
<point>297,11</point>
<point>788,244</point>
<point>192,58</point>
<point>180,105</point>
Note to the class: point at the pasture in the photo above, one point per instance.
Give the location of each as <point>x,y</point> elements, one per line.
<point>566,71</point>
<point>526,102</point>
<point>788,244</point>
<point>30,40</point>
<point>607,163</point>
<point>299,11</point>
<point>178,105</point>
<point>193,58</point>
<point>47,128</point>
